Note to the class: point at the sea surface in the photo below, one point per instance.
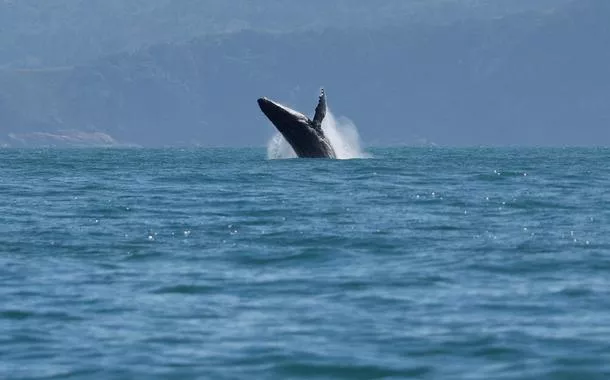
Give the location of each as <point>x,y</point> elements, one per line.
<point>416,263</point>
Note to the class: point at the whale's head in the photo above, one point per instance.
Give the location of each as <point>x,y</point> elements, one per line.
<point>284,118</point>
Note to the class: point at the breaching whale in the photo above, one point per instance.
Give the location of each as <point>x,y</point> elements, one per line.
<point>304,135</point>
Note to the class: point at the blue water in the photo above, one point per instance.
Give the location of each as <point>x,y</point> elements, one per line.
<point>219,263</point>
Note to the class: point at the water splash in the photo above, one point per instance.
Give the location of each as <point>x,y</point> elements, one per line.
<point>278,148</point>
<point>341,132</point>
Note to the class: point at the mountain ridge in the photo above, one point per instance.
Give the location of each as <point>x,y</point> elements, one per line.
<point>530,78</point>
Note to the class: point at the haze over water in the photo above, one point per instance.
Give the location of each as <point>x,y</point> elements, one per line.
<point>221,263</point>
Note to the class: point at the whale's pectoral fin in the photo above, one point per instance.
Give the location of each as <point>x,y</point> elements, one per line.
<point>320,110</point>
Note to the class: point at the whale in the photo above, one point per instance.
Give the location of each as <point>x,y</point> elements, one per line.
<point>304,135</point>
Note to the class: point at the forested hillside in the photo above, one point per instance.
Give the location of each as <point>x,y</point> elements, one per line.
<point>528,78</point>
<point>36,33</point>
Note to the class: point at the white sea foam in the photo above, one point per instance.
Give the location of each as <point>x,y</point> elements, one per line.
<point>278,148</point>
<point>341,132</point>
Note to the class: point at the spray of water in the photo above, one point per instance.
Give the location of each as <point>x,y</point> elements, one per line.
<point>342,133</point>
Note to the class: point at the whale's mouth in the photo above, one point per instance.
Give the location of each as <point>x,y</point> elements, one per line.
<point>283,118</point>
<point>274,110</point>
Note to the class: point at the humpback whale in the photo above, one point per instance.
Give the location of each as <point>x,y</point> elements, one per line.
<point>304,135</point>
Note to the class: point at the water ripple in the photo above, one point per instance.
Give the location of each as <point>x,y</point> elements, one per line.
<point>218,263</point>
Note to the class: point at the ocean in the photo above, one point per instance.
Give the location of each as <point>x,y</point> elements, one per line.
<point>413,263</point>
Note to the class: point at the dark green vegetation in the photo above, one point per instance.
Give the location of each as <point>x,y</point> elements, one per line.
<point>189,72</point>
